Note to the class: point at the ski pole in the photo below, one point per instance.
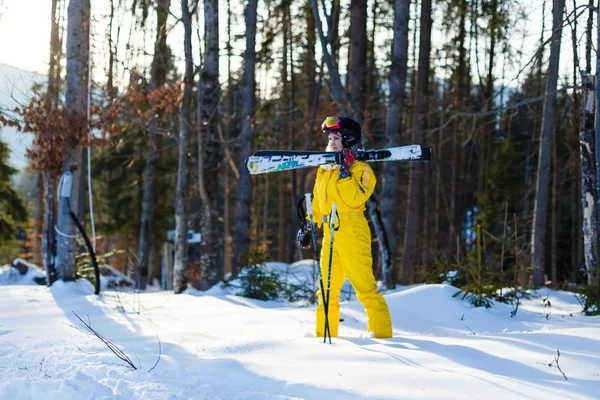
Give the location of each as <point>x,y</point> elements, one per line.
<point>332,222</point>
<point>316,249</point>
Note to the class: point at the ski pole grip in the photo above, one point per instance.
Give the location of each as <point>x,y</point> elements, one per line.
<point>308,203</point>
<point>333,214</point>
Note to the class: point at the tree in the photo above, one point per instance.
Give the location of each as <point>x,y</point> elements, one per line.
<point>249,83</point>
<point>543,174</point>
<point>397,82</point>
<point>209,152</point>
<point>180,265</point>
<point>52,98</point>
<point>12,207</point>
<point>76,97</point>
<point>413,227</point>
<point>358,62</point>
<point>158,77</point>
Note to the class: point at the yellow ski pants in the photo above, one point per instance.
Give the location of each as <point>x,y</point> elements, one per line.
<point>351,259</point>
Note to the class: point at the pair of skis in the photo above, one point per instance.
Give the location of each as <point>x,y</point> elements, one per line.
<point>283,160</point>
<point>324,296</point>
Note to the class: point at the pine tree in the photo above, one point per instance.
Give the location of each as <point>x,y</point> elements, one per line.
<point>12,207</point>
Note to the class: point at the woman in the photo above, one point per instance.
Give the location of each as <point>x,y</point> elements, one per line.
<point>348,186</point>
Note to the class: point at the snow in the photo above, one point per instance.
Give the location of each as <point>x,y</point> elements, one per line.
<point>216,345</point>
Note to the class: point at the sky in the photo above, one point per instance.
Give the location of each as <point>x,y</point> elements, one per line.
<point>219,345</point>
<point>25,33</point>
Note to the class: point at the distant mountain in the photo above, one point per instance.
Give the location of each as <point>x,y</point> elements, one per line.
<point>15,90</point>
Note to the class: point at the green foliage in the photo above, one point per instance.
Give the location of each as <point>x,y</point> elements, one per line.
<point>260,283</point>
<point>85,268</point>
<point>477,292</point>
<point>591,297</point>
<point>12,206</point>
<point>9,251</point>
<point>485,284</point>
<point>442,270</point>
<point>257,281</point>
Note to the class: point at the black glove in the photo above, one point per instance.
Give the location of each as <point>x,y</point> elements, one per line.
<point>303,238</point>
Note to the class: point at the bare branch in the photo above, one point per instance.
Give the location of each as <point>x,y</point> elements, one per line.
<point>159,354</point>
<point>228,154</point>
<point>107,342</point>
<point>554,363</point>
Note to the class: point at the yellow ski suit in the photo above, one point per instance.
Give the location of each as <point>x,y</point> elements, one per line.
<point>352,246</point>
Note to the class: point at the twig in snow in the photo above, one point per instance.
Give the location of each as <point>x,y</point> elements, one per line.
<point>554,363</point>
<point>547,307</point>
<point>113,347</point>
<point>471,330</point>
<point>159,353</point>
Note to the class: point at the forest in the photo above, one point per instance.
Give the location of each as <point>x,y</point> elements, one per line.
<point>155,105</point>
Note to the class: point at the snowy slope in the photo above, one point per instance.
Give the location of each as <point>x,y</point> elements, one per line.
<point>15,91</point>
<point>220,346</point>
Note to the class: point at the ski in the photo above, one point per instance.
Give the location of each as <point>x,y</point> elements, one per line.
<point>282,160</point>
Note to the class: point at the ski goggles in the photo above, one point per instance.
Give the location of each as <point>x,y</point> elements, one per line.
<point>331,123</point>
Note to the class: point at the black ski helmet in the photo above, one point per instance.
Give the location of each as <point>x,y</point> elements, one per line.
<point>349,128</point>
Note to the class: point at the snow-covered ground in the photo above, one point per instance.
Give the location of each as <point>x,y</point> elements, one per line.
<point>216,345</point>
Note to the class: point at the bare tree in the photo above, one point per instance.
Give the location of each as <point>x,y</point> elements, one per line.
<point>543,173</point>
<point>180,264</point>
<point>413,227</point>
<point>358,62</point>
<point>52,98</point>
<point>397,82</point>
<point>227,182</point>
<point>76,97</point>
<point>209,150</point>
<point>249,84</point>
<point>158,76</point>
<point>588,177</point>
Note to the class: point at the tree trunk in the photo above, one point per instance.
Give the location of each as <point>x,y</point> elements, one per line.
<point>244,184</point>
<point>588,177</point>
<point>283,233</point>
<point>180,265</point>
<point>413,229</point>
<point>76,96</point>
<point>554,221</point>
<point>574,141</point>
<point>313,87</point>
<point>397,82</point>
<point>294,195</point>
<point>543,173</point>
<point>333,29</point>
<point>358,39</point>
<point>462,96</point>
<point>228,251</point>
<point>48,238</point>
<point>588,42</point>
<point>211,266</point>
<point>158,77</point>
